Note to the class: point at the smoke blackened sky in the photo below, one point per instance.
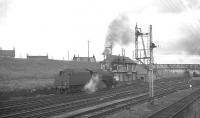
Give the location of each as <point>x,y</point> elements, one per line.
<point>186,22</point>
<point>170,6</point>
<point>119,31</point>
<point>190,43</point>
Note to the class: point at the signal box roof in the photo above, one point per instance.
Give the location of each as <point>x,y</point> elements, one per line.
<point>75,70</point>
<point>119,60</point>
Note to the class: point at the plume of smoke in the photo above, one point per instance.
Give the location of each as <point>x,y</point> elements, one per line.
<point>119,31</point>
<point>92,85</point>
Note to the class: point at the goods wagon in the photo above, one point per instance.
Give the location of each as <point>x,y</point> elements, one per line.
<point>73,80</point>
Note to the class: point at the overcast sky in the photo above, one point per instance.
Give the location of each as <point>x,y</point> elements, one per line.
<point>40,27</point>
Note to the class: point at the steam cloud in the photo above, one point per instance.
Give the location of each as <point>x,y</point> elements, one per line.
<point>119,31</point>
<point>92,85</point>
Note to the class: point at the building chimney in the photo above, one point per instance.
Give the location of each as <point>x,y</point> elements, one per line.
<point>111,49</point>
<point>123,52</point>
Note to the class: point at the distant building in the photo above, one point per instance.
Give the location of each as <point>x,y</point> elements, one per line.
<point>7,53</point>
<point>37,58</point>
<point>84,59</point>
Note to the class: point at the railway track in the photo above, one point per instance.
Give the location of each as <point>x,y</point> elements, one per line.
<point>113,106</point>
<point>67,107</point>
<point>174,110</point>
<point>49,101</point>
<point>31,100</point>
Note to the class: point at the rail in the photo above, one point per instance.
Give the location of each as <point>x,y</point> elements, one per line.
<point>174,109</point>
<point>110,107</point>
<point>49,107</point>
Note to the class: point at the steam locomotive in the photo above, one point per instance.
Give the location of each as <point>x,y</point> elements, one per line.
<point>81,79</point>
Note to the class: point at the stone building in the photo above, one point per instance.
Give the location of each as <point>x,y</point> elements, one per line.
<point>7,53</point>
<point>37,58</point>
<point>84,59</point>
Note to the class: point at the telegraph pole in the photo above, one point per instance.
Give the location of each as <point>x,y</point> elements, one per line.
<point>151,90</point>
<point>88,51</point>
<point>68,54</point>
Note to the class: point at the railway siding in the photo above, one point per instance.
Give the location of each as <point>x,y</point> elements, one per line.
<point>103,109</point>
<point>171,86</point>
<point>146,110</point>
<point>174,109</point>
<point>83,110</point>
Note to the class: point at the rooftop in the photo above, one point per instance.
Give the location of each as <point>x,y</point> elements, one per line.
<point>119,59</point>
<point>84,59</point>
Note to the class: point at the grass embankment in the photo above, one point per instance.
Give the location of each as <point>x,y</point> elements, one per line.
<point>23,74</point>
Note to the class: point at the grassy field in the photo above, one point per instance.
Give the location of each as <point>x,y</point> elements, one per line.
<point>20,74</point>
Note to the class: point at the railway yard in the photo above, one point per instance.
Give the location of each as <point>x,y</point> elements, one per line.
<point>99,104</point>
<point>113,88</point>
<point>100,59</point>
<point>116,87</point>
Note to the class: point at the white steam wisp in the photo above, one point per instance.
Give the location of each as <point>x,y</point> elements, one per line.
<point>92,85</point>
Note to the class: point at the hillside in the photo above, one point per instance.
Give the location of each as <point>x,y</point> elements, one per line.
<point>18,74</point>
